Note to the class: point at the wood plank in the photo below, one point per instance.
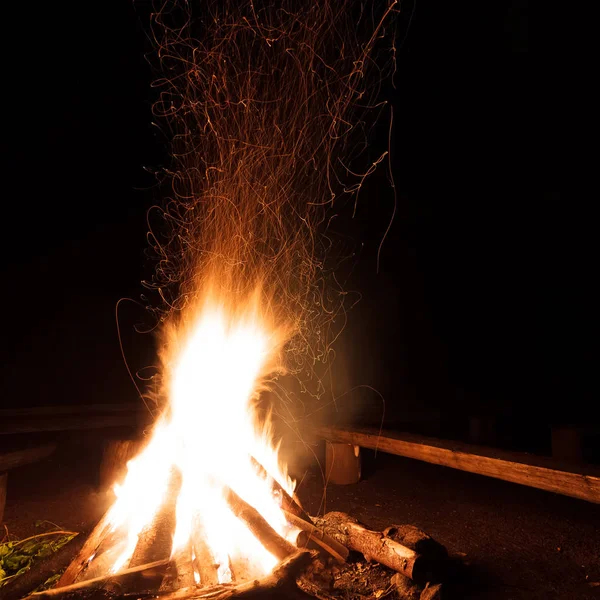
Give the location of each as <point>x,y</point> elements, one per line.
<point>68,409</point>
<point>581,481</point>
<point>69,423</point>
<point>11,460</point>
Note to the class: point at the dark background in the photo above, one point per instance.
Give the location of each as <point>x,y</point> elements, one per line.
<point>483,303</point>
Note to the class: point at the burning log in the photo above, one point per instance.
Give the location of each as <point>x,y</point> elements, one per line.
<point>93,588</point>
<point>156,540</point>
<point>270,539</point>
<point>297,516</point>
<point>180,572</point>
<point>325,542</point>
<point>288,503</point>
<point>279,585</point>
<point>374,545</point>
<point>88,550</point>
<point>204,562</point>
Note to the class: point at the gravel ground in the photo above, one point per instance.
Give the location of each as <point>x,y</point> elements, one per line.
<point>512,542</point>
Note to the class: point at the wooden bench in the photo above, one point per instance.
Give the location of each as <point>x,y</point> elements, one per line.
<point>578,481</point>
<point>71,418</point>
<point>19,458</point>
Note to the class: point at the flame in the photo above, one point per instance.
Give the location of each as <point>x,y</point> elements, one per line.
<point>215,363</point>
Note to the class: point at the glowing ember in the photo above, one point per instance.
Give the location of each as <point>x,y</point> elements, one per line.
<point>214,363</point>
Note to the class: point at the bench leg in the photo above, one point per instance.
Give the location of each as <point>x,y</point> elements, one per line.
<point>3,484</point>
<point>342,463</point>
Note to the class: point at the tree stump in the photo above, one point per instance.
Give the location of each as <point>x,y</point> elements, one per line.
<point>342,463</point>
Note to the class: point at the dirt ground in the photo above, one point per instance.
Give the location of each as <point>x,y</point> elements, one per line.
<point>510,542</point>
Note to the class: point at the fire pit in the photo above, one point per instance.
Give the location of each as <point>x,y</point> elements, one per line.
<point>210,512</point>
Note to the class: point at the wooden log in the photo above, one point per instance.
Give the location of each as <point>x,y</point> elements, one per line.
<point>180,572</point>
<point>204,561</point>
<point>288,503</point>
<point>156,539</point>
<point>78,565</point>
<point>19,458</point>
<point>279,585</point>
<point>416,539</point>
<point>375,546</point>
<point>270,539</point>
<point>323,541</point>
<point>41,570</point>
<point>535,471</point>
<point>105,585</point>
<point>342,463</point>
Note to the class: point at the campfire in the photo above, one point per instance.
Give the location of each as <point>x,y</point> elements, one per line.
<point>207,510</point>
<point>259,101</point>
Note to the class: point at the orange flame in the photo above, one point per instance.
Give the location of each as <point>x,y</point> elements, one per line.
<point>216,360</point>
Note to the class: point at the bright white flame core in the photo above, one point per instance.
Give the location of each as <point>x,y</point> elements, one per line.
<point>210,433</point>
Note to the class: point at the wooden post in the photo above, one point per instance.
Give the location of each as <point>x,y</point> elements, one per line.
<point>342,463</point>
<point>3,483</point>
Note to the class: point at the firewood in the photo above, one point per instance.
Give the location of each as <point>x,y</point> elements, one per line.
<point>288,503</point>
<point>41,570</point>
<point>375,546</point>
<point>414,538</point>
<point>270,539</point>
<point>204,561</point>
<point>180,572</point>
<point>156,539</point>
<point>89,549</point>
<point>279,585</point>
<point>88,589</point>
<point>324,542</point>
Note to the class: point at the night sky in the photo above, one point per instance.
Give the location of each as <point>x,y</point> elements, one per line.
<point>483,301</point>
